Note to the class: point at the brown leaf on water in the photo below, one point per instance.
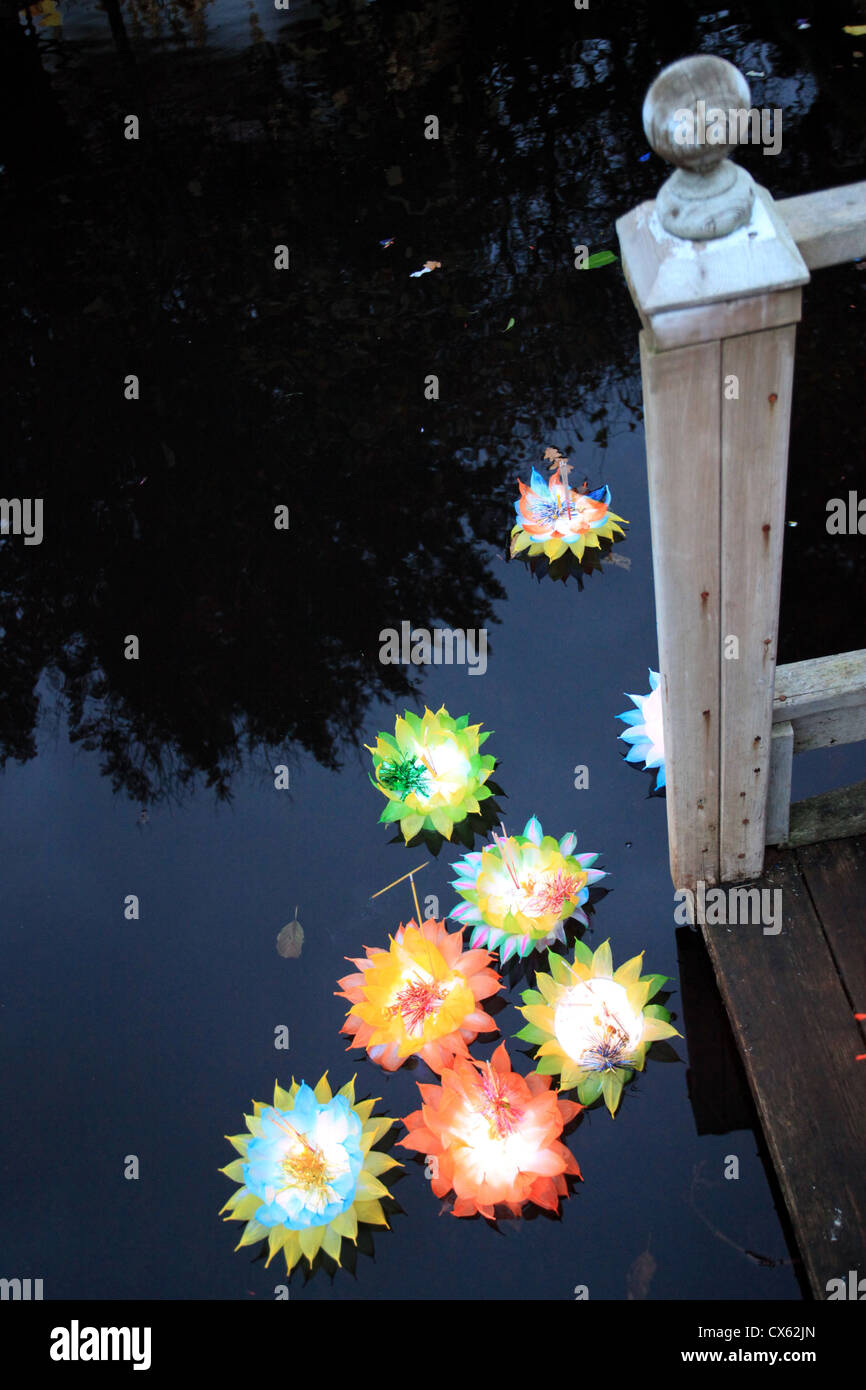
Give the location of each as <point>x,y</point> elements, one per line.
<point>433,265</point>
<point>290,941</point>
<point>640,1276</point>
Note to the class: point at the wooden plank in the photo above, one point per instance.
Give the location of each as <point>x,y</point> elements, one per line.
<point>729,319</point>
<point>828,816</point>
<point>779,796</point>
<point>835,874</point>
<point>798,1040</point>
<point>845,725</point>
<point>826,683</point>
<point>754,472</point>
<point>828,227</point>
<point>682,396</point>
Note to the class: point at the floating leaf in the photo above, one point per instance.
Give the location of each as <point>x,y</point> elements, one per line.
<point>600,258</point>
<point>291,939</point>
<point>856,29</point>
<point>554,457</point>
<point>510,324</point>
<point>426,268</point>
<point>639,1276</point>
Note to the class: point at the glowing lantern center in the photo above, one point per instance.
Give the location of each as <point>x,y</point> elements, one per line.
<point>307,1170</point>
<point>520,889</point>
<point>416,1001</point>
<point>550,892</point>
<point>504,1117</point>
<point>578,510</point>
<point>497,1148</point>
<point>447,768</point>
<point>576,506</point>
<point>404,776</point>
<point>596,1025</point>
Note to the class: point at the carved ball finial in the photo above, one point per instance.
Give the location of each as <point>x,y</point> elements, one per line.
<point>691,116</point>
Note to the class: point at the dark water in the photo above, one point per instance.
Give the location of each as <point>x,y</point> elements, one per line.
<point>261,647</point>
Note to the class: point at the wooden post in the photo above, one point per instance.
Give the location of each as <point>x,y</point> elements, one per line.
<point>716,278</point>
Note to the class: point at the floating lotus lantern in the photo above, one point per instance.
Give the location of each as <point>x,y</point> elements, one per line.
<point>520,890</point>
<point>645,732</point>
<point>492,1136</point>
<point>555,520</point>
<point>594,1025</point>
<point>432,772</point>
<point>421,996</point>
<point>308,1171</point>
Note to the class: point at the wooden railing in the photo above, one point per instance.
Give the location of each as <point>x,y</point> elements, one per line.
<point>716,269</point>
<point>817,704</point>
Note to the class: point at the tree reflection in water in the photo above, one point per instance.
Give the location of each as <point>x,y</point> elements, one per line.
<point>306,387</point>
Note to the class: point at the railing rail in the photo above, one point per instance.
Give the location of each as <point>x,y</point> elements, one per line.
<point>816,704</point>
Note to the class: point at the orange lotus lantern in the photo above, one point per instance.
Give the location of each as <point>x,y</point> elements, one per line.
<point>492,1137</point>
<point>420,997</point>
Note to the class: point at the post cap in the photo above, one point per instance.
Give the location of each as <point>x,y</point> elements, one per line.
<point>694,114</point>
<point>677,90</point>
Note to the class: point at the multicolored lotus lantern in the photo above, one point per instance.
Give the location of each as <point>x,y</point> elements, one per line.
<point>594,1025</point>
<point>308,1171</point>
<point>422,996</point>
<point>434,776</point>
<point>492,1136</point>
<point>560,524</point>
<point>645,732</point>
<point>520,890</point>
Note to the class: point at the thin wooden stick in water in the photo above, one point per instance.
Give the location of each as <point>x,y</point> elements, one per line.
<point>399,880</point>
<point>506,854</point>
<point>415,896</point>
<point>564,470</point>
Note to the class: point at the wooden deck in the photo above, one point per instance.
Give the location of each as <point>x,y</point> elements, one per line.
<point>791,999</point>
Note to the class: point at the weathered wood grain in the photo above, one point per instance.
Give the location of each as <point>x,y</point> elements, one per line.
<point>728,319</point>
<point>828,227</point>
<point>835,873</point>
<point>779,795</point>
<point>793,1021</point>
<point>844,725</point>
<point>828,816</point>
<point>682,396</point>
<point>824,683</point>
<point>754,472</point>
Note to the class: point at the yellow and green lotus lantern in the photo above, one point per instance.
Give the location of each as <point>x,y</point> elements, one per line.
<point>594,1024</point>
<point>308,1171</point>
<point>433,774</point>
